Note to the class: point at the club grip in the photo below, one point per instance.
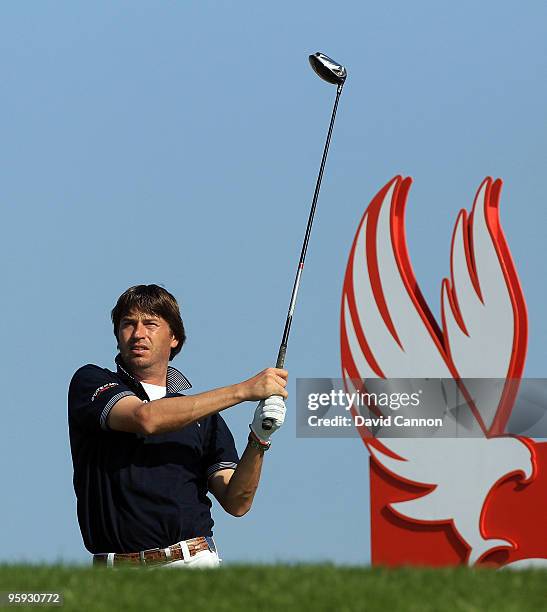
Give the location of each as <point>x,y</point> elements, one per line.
<point>281,356</point>
<point>267,424</point>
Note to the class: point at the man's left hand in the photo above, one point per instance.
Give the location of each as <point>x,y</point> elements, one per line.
<point>272,408</point>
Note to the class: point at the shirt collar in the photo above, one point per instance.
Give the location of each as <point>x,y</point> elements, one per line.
<point>176,381</point>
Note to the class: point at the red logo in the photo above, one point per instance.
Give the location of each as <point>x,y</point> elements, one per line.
<point>474,500</point>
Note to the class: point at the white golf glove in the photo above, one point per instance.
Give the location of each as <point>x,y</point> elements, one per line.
<point>272,408</point>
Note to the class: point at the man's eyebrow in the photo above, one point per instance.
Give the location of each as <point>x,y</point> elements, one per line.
<point>147,317</point>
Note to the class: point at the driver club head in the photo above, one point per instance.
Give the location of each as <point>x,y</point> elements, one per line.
<point>328,69</point>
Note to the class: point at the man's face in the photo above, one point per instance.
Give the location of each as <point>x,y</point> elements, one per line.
<point>145,340</point>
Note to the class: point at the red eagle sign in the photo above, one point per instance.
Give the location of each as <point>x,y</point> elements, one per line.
<point>480,499</point>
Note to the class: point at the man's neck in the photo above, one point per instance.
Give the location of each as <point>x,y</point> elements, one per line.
<point>154,376</point>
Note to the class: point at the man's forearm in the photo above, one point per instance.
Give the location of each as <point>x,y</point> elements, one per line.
<point>243,484</point>
<point>173,413</point>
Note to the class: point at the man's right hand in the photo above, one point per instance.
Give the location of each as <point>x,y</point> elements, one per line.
<point>271,381</point>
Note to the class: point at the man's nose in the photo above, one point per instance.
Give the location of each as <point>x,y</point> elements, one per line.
<point>139,331</point>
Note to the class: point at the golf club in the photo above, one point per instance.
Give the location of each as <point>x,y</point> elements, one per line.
<point>336,74</point>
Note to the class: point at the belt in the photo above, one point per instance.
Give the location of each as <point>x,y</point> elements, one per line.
<point>156,556</point>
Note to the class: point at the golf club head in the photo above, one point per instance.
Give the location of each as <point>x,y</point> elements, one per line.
<point>328,69</point>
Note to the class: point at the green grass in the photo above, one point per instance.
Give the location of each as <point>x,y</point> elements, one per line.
<point>283,587</point>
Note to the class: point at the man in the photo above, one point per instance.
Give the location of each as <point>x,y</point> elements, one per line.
<point>145,456</point>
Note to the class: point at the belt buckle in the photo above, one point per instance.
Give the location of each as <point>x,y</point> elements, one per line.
<point>142,554</point>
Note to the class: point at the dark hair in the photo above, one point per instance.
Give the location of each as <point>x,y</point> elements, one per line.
<point>154,300</point>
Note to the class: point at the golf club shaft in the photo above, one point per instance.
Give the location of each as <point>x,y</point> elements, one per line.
<point>267,423</point>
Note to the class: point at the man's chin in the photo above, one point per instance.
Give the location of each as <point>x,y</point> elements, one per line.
<point>137,361</point>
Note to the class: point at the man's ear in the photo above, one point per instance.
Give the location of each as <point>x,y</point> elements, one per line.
<point>174,342</point>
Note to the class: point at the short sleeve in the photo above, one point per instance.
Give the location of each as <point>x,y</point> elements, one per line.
<point>92,393</point>
<point>221,452</point>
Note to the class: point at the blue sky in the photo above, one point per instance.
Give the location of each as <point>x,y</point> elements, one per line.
<point>178,143</point>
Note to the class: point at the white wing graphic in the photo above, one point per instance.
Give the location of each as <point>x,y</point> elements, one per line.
<point>388,331</point>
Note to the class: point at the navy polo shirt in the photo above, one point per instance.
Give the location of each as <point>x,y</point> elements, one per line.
<point>134,491</point>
